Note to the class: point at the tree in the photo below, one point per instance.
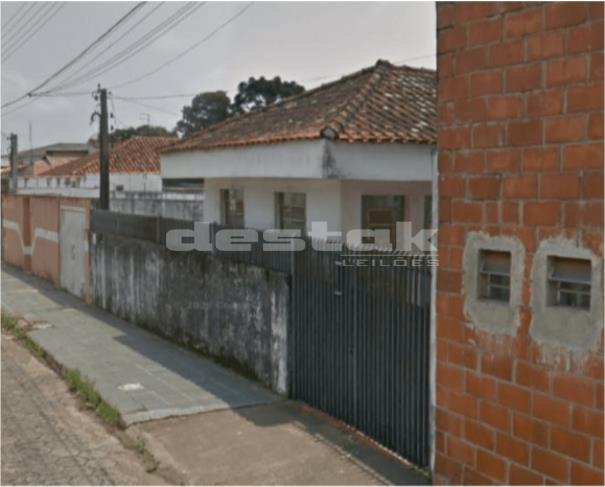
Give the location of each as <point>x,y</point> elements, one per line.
<point>120,135</point>
<point>206,109</point>
<point>257,93</point>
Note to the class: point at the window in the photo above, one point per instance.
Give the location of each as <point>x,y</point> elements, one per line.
<point>381,212</point>
<point>181,185</point>
<point>291,211</point>
<point>233,207</point>
<point>569,282</point>
<point>428,211</point>
<point>494,275</point>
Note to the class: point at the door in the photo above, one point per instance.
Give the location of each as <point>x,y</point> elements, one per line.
<point>73,241</point>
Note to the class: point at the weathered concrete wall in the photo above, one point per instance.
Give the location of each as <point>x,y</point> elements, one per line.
<point>231,311</point>
<point>182,207</point>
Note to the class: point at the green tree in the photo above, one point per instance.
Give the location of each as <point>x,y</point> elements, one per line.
<point>206,109</point>
<point>257,93</point>
<point>120,135</point>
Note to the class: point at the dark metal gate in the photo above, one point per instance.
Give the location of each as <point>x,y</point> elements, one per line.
<point>359,343</point>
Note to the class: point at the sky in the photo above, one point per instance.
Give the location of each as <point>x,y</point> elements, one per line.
<point>308,42</point>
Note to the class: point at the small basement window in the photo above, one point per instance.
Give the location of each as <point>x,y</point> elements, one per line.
<point>494,275</point>
<point>569,282</point>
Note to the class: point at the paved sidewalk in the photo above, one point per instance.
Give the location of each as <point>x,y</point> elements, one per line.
<point>144,376</point>
<point>48,439</point>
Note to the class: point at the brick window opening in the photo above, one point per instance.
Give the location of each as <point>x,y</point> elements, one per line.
<point>569,282</point>
<point>494,275</point>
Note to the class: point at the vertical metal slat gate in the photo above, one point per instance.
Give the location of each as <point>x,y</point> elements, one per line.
<point>359,344</point>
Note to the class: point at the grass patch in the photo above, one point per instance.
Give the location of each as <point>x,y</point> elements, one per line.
<point>77,383</point>
<point>11,325</point>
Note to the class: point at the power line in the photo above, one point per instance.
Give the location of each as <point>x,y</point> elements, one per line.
<point>32,22</point>
<point>107,48</point>
<point>79,56</point>
<point>14,16</point>
<point>188,50</point>
<point>23,15</point>
<point>145,105</point>
<point>34,30</point>
<point>140,44</point>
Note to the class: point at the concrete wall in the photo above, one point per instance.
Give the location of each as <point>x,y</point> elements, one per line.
<point>519,401</point>
<point>331,200</point>
<point>184,206</point>
<point>235,312</point>
<point>87,186</point>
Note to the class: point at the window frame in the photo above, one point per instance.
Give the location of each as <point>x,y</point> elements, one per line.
<point>365,225</point>
<point>489,286</point>
<point>227,214</point>
<point>554,284</point>
<point>280,204</point>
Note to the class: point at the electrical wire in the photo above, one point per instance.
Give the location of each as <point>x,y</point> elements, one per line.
<point>110,46</point>
<point>151,107</point>
<point>188,50</point>
<point>23,15</point>
<point>79,56</point>
<point>137,46</point>
<point>31,24</point>
<point>14,16</point>
<point>34,31</point>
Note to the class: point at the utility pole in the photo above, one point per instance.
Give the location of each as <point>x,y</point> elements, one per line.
<point>103,150</point>
<point>13,162</point>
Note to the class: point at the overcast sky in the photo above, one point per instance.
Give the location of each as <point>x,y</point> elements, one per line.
<point>311,43</point>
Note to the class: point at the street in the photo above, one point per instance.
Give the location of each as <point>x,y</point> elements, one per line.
<point>48,439</point>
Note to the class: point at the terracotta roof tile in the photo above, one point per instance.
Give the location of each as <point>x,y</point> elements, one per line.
<point>135,155</point>
<point>383,103</point>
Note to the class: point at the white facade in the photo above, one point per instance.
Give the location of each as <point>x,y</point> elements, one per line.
<point>87,186</point>
<point>332,175</point>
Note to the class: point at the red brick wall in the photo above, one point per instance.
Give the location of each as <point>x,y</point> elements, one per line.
<point>520,154</point>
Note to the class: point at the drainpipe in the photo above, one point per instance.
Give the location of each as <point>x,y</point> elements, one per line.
<point>433,321</point>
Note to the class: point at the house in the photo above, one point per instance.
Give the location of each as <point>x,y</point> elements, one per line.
<point>354,153</point>
<point>32,162</point>
<point>133,166</point>
<point>35,161</point>
<point>135,183</point>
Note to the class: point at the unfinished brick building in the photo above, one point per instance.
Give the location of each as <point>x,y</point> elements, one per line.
<point>519,390</point>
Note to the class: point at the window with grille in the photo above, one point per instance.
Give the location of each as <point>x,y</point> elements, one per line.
<point>569,282</point>
<point>494,275</point>
<point>291,211</point>
<point>233,207</point>
<point>381,212</point>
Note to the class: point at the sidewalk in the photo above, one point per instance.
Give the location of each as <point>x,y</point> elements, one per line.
<point>247,434</point>
<point>145,377</point>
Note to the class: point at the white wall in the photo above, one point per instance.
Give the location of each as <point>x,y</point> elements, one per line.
<point>413,192</point>
<point>315,159</point>
<point>336,202</point>
<point>323,200</point>
<point>88,185</point>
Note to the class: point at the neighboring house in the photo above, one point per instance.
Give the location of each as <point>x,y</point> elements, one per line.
<point>34,162</point>
<point>133,166</point>
<point>134,179</point>
<point>355,153</point>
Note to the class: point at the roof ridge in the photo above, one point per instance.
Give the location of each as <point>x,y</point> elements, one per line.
<point>356,102</point>
<point>290,99</point>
